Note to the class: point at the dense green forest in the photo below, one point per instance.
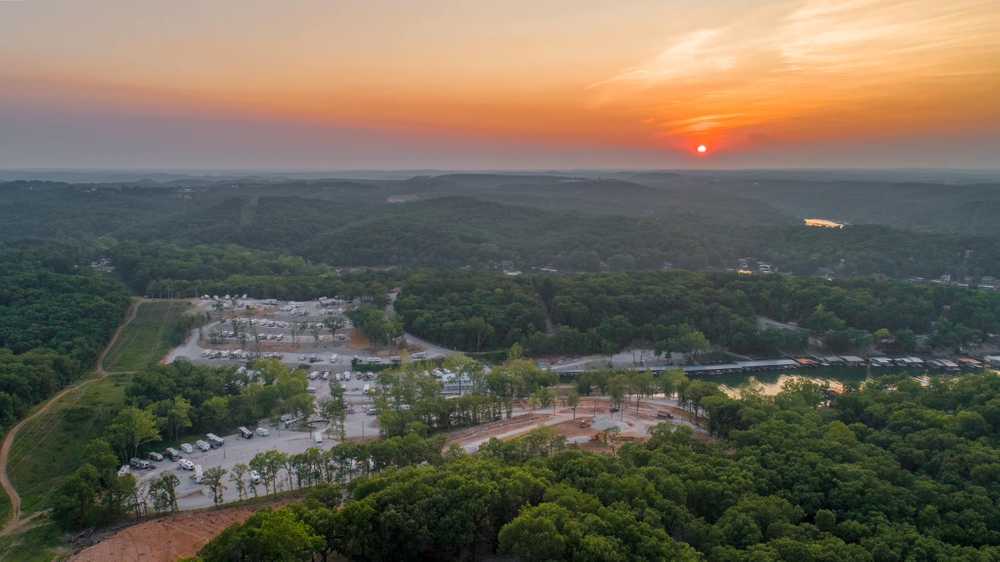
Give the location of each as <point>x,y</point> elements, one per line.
<point>678,310</point>
<point>169,270</point>
<point>572,223</point>
<point>890,472</point>
<point>54,320</point>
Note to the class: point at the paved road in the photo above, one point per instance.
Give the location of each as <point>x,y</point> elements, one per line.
<point>15,500</point>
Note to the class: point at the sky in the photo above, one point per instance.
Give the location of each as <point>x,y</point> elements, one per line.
<point>518,84</point>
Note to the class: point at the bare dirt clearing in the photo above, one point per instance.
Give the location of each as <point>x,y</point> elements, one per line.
<point>593,417</point>
<point>167,539</point>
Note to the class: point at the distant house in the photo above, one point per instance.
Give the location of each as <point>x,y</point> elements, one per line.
<point>823,223</point>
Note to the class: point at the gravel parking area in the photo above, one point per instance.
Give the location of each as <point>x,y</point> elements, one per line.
<point>313,345</point>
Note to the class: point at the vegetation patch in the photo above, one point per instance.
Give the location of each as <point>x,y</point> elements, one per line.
<point>49,449</point>
<point>158,326</point>
<point>41,543</point>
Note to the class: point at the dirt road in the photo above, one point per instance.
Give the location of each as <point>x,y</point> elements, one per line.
<point>15,521</point>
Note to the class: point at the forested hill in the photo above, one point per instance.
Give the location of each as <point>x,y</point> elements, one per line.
<point>55,317</point>
<point>932,202</point>
<point>488,221</point>
<point>686,312</point>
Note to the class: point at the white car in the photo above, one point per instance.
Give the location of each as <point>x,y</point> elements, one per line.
<point>185,464</point>
<point>254,477</point>
<point>203,445</point>
<point>187,448</point>
<point>263,431</point>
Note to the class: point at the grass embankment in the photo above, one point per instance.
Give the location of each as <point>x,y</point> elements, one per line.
<point>42,543</point>
<point>149,337</point>
<point>46,452</point>
<point>48,449</point>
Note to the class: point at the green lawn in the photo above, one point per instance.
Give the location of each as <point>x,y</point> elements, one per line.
<point>42,543</point>
<point>147,339</point>
<point>47,450</point>
<point>45,453</point>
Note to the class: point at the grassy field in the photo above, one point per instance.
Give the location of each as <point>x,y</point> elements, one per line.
<point>41,543</point>
<point>147,338</point>
<point>47,450</point>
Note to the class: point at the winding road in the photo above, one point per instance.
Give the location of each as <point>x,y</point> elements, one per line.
<point>15,521</point>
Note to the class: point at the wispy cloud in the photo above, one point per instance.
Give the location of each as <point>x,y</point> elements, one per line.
<point>690,55</point>
<point>816,58</point>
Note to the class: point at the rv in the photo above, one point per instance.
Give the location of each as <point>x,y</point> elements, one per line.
<point>246,433</point>
<point>187,448</point>
<point>203,445</point>
<point>198,475</point>
<point>215,441</point>
<point>185,464</point>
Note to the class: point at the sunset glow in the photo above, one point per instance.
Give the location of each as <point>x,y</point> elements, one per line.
<point>447,83</point>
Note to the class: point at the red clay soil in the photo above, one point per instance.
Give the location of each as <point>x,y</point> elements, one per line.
<point>358,340</point>
<point>166,539</point>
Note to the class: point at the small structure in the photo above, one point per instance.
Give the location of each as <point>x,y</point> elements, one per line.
<point>852,360</point>
<point>881,362</point>
<point>823,223</point>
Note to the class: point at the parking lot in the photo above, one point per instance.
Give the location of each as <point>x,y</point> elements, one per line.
<point>266,327</point>
<point>191,495</point>
<point>292,332</point>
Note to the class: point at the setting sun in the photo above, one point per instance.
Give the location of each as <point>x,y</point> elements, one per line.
<point>702,149</point>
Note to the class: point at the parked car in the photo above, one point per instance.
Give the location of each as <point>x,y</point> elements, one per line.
<point>185,464</point>
<point>187,448</point>
<point>155,457</point>
<point>215,441</point>
<point>245,433</point>
<point>203,445</point>
<point>263,431</point>
<point>173,454</point>
<point>139,464</point>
